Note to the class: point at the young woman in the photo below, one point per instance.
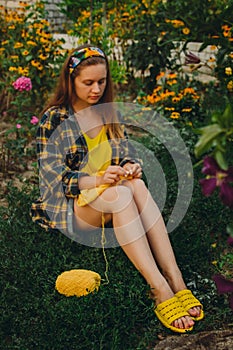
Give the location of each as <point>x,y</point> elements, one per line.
<point>99,178</point>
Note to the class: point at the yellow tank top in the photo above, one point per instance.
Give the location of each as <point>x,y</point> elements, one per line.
<point>99,158</point>
<point>99,153</point>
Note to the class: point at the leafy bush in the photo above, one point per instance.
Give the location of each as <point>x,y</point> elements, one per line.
<point>29,63</point>
<point>29,50</point>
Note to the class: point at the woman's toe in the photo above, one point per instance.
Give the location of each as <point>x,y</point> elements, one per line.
<point>195,311</point>
<point>183,322</point>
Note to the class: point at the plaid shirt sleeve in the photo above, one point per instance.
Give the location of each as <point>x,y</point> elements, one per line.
<point>60,154</point>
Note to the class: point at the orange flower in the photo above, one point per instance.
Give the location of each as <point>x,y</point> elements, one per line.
<point>176,99</point>
<point>172,82</point>
<point>160,75</point>
<point>186,30</point>
<point>175,115</point>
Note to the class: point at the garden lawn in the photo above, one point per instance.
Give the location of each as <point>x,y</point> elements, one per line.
<point>34,316</point>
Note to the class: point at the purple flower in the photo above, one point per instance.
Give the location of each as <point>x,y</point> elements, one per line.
<point>34,120</point>
<point>22,84</point>
<point>224,286</point>
<point>217,177</point>
<point>190,58</point>
<point>230,241</point>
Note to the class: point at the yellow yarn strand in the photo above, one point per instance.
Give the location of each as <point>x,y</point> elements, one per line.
<point>103,241</point>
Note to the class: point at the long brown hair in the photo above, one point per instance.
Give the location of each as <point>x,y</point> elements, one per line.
<point>64,92</point>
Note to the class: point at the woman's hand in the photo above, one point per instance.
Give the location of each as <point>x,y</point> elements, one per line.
<point>113,174</point>
<point>133,170</point>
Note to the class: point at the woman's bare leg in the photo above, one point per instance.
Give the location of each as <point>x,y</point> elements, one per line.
<point>158,237</point>
<point>131,236</point>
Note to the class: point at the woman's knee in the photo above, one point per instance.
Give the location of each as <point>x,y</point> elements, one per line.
<point>137,185</point>
<point>117,197</point>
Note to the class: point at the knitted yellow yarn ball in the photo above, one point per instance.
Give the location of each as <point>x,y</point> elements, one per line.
<point>77,282</point>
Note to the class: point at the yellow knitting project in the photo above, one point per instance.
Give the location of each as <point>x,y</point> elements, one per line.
<point>78,282</point>
<point>89,195</point>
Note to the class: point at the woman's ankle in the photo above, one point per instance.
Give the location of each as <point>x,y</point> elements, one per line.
<point>161,293</point>
<point>175,280</point>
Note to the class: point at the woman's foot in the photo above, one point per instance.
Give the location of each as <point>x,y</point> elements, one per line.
<point>177,284</point>
<point>165,293</point>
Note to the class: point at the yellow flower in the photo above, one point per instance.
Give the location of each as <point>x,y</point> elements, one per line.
<point>231,55</point>
<point>146,108</point>
<point>230,85</point>
<point>213,47</point>
<point>18,45</point>
<point>175,115</point>
<point>188,91</point>
<point>43,57</point>
<point>32,43</point>
<point>186,110</point>
<point>23,3</point>
<point>211,59</point>
<point>214,262</point>
<point>45,22</point>
<point>172,75</point>
<point>46,35</point>
<point>34,63</point>
<point>228,71</point>
<point>214,245</point>
<point>14,58</point>
<point>23,71</point>
<point>47,49</point>
<point>169,108</point>
<point>39,66</point>
<point>25,53</point>
<point>226,30</point>
<point>43,40</point>
<point>176,99</point>
<point>226,27</point>
<point>86,14</point>
<point>12,69</point>
<point>171,82</point>
<point>160,75</point>
<point>186,30</point>
<point>5,42</point>
<point>11,27</point>
<point>177,23</point>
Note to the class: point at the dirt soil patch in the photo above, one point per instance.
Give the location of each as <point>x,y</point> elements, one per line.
<point>212,340</point>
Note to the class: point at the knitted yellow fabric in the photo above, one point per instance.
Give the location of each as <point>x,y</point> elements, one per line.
<point>78,282</point>
<point>89,195</point>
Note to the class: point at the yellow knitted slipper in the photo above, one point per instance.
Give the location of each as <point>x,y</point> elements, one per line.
<point>169,311</point>
<point>189,301</point>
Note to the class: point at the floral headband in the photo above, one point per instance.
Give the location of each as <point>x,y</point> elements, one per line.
<point>82,54</point>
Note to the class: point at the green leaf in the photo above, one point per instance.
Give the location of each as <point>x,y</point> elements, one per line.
<point>219,156</point>
<point>209,134</point>
<point>28,58</point>
<point>230,229</point>
<point>227,116</point>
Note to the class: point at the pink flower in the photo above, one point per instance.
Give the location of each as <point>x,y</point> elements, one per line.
<point>18,126</point>
<point>230,241</point>
<point>224,286</point>
<point>34,120</point>
<point>217,177</point>
<point>23,84</point>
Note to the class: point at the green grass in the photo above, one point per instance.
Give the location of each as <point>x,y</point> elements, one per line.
<point>119,316</point>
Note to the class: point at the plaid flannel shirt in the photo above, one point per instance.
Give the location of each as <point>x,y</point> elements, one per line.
<point>62,152</point>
